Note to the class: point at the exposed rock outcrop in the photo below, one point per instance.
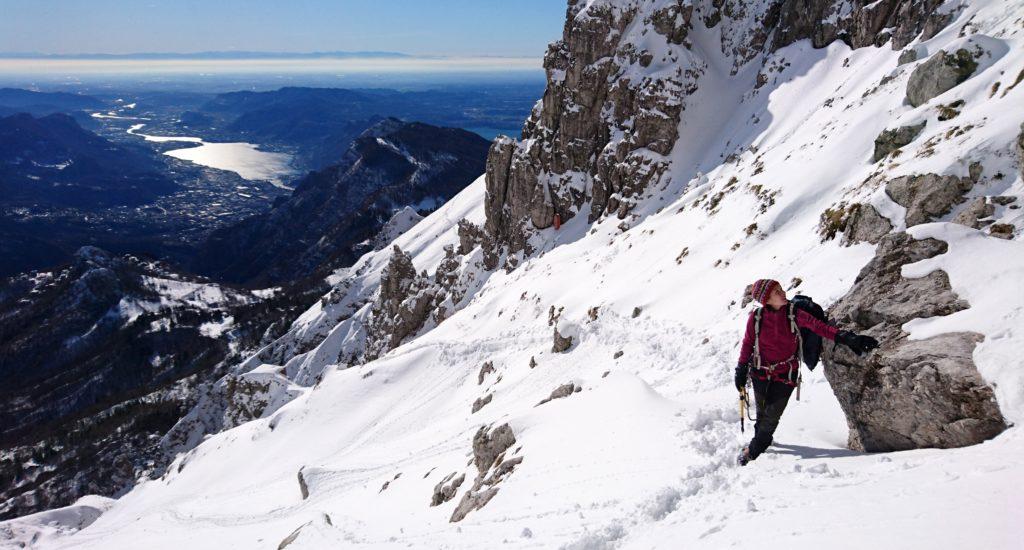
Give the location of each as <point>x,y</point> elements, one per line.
<point>866,225</point>
<point>927,196</point>
<point>1001,230</point>
<point>858,23</point>
<point>489,449</point>
<point>488,446</point>
<point>940,73</point>
<point>909,393</point>
<point>601,136</point>
<point>561,343</point>
<point>972,215</point>
<point>857,222</point>
<point>408,301</point>
<point>486,369</point>
<point>890,140</point>
<point>405,301</point>
<point>303,487</point>
<point>565,390</point>
<point>445,489</point>
<point>481,402</point>
<point>597,134</point>
<point>907,56</point>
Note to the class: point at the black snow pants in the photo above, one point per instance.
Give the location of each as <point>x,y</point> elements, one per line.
<point>771,399</point>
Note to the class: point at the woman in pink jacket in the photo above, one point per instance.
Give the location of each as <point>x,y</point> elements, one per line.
<point>777,372</point>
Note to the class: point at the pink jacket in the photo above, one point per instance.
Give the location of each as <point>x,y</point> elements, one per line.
<point>777,342</point>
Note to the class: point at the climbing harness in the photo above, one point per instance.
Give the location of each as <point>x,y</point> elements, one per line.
<point>799,355</point>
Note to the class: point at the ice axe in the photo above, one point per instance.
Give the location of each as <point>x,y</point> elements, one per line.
<point>744,408</point>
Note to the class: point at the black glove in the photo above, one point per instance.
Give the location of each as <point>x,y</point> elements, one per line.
<point>858,343</point>
<point>741,376</point>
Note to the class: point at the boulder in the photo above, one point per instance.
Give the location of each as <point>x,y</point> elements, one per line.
<point>865,224</point>
<point>486,369</point>
<point>890,140</point>
<point>858,223</point>
<point>561,343</point>
<point>907,56</point>
<point>976,210</point>
<point>927,196</point>
<point>303,487</point>
<point>481,401</point>
<point>1001,230</point>
<point>908,394</point>
<point>940,73</point>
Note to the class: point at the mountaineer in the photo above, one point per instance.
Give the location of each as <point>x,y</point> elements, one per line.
<point>773,347</point>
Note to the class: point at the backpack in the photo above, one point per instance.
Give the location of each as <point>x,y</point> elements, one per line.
<point>809,341</point>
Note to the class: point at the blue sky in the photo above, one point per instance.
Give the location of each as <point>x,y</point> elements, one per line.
<point>421,27</point>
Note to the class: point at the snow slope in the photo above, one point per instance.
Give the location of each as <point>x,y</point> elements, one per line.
<point>642,456</point>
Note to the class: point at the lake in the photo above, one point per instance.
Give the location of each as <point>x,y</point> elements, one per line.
<point>244,159</point>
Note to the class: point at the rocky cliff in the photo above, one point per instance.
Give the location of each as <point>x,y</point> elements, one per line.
<point>620,81</point>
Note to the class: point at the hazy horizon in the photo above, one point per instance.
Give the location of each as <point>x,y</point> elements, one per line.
<point>450,28</point>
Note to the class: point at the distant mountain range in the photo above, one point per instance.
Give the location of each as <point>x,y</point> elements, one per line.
<point>53,161</point>
<point>101,357</point>
<point>320,123</point>
<point>333,214</point>
<point>205,55</point>
<point>17,99</point>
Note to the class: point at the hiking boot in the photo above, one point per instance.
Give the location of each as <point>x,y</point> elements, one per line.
<point>743,457</point>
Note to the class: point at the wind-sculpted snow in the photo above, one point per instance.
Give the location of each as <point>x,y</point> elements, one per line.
<point>767,160</point>
<point>333,331</point>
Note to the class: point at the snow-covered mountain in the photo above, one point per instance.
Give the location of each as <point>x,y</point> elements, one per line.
<point>546,360</point>
<point>99,358</point>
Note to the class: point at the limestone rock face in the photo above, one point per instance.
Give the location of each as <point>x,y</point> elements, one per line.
<point>601,138</point>
<point>908,393</point>
<point>890,140</point>
<point>858,23</point>
<point>597,135</point>
<point>409,301</point>
<point>405,302</point>
<point>927,196</point>
<point>942,72</point>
